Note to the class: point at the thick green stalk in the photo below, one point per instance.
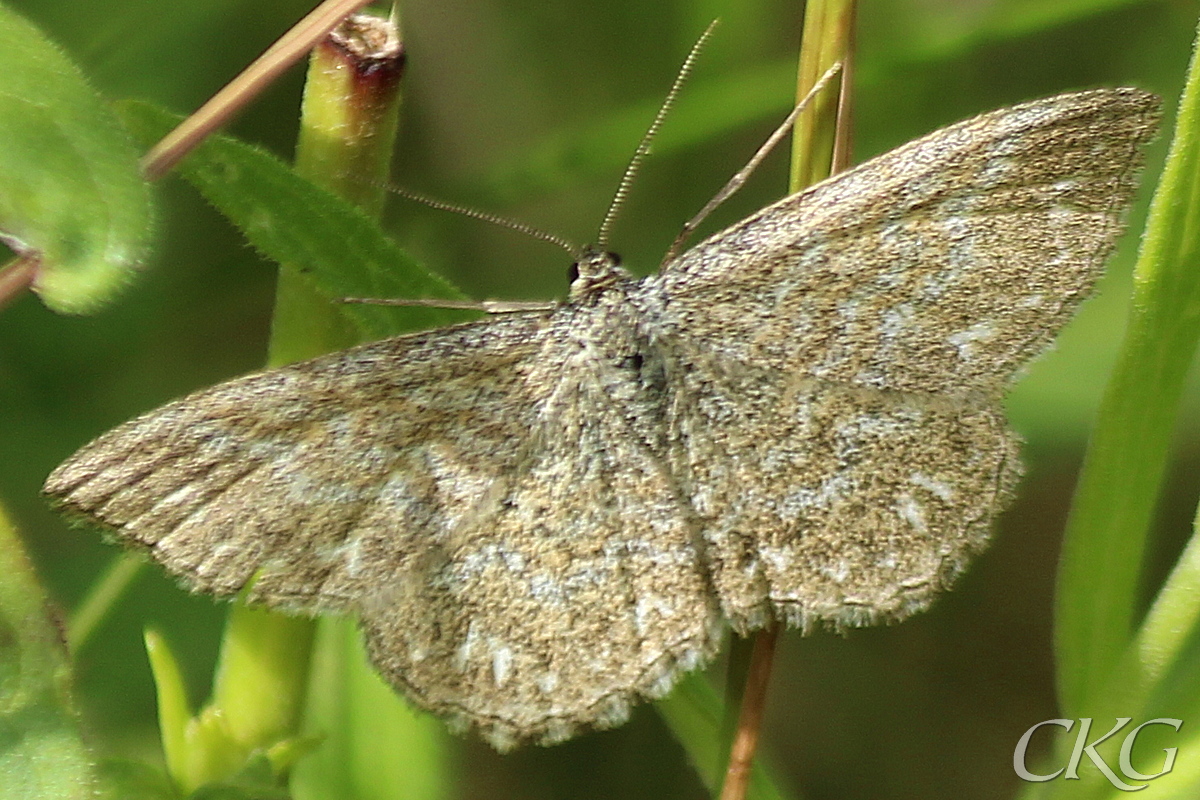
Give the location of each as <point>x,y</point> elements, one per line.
<point>348,125</point>
<point>372,744</point>
<point>347,129</point>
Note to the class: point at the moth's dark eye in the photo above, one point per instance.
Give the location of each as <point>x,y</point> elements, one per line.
<point>615,258</point>
<point>573,272</point>
<point>635,362</point>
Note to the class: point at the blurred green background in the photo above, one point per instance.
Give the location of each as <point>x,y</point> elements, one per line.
<point>529,110</point>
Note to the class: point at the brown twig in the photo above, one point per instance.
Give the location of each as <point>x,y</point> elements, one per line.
<point>754,704</point>
<point>17,276</point>
<point>286,51</point>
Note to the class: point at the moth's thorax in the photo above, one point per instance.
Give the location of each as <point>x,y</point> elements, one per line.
<point>595,271</point>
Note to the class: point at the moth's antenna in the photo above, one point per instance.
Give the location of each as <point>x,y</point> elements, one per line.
<point>485,306</point>
<point>739,179</point>
<point>575,251</point>
<point>643,147</point>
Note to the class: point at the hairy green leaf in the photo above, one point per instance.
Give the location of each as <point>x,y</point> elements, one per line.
<point>70,188</point>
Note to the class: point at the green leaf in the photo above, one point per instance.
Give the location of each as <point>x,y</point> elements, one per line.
<point>174,712</point>
<point>70,187</point>
<point>292,221</point>
<point>905,32</point>
<point>1155,679</point>
<point>1102,558</point>
<point>42,756</point>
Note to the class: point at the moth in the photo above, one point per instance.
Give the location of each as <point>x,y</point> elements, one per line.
<point>543,517</point>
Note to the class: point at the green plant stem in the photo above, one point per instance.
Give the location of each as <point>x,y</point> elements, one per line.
<point>101,597</point>
<point>372,744</point>
<point>821,133</point>
<point>348,125</point>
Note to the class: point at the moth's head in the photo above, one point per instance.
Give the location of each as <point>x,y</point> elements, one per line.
<point>594,269</point>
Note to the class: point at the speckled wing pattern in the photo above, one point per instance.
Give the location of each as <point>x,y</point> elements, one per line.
<point>845,351</point>
<point>515,564</point>
<point>543,517</point>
